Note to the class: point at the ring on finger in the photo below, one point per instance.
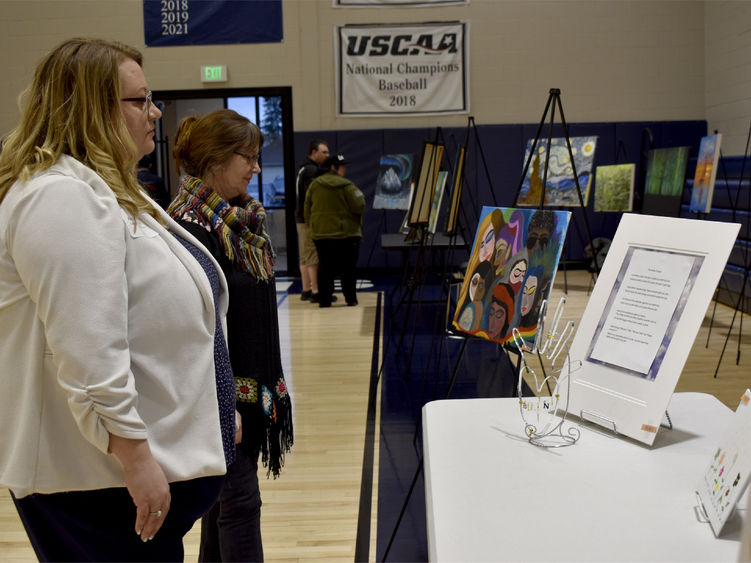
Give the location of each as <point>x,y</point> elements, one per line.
<point>157,514</point>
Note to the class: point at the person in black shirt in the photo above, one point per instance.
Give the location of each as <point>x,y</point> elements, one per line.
<point>318,152</point>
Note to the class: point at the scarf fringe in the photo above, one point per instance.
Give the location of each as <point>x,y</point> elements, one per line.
<point>279,438</point>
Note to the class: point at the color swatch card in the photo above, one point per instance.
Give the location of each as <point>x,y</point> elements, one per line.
<point>726,476</point>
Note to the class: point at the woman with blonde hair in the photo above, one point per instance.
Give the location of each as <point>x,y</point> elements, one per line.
<point>115,413</point>
<point>220,152</point>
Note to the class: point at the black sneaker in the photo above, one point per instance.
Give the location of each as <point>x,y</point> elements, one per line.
<point>352,303</point>
<point>305,295</point>
<point>314,298</point>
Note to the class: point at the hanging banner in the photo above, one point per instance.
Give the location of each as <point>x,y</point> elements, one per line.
<point>211,22</point>
<point>402,69</point>
<point>392,3</point>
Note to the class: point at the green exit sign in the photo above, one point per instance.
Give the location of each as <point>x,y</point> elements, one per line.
<point>214,73</point>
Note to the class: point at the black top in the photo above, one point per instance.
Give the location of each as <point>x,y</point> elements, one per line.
<point>255,355</point>
<point>307,172</point>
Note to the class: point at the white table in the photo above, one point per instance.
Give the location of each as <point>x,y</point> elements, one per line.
<point>492,496</point>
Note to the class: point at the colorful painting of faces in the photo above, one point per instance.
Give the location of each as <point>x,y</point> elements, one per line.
<point>510,272</point>
<point>394,184</point>
<point>560,187</point>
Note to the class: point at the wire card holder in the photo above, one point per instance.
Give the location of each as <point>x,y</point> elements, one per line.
<point>544,416</point>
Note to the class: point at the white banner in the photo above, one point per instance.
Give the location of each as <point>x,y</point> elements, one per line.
<point>402,69</point>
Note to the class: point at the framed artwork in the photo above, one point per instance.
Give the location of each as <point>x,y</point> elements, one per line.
<point>706,173</point>
<point>560,186</point>
<point>614,187</point>
<point>666,178</point>
<point>430,165</point>
<point>435,208</point>
<point>510,272</point>
<point>456,191</point>
<point>642,318</point>
<point>394,183</point>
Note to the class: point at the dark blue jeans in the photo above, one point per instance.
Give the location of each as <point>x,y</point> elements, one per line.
<point>100,525</point>
<point>231,529</point>
<point>337,257</point>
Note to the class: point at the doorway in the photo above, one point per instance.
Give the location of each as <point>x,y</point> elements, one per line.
<point>271,110</point>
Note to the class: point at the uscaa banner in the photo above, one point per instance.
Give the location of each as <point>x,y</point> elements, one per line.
<point>402,69</point>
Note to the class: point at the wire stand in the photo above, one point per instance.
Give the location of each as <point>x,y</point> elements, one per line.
<point>543,416</point>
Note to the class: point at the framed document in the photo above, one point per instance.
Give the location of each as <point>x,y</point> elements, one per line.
<point>641,321</point>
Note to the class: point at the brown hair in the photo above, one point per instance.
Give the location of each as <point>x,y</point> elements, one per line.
<point>206,143</point>
<point>73,107</point>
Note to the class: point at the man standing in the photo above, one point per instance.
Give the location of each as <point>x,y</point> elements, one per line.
<point>310,169</point>
<point>333,211</point>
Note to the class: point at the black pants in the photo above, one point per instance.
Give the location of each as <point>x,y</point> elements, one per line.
<point>100,525</point>
<point>337,257</point>
<point>231,529</point>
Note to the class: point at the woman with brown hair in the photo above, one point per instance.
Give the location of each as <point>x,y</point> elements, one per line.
<point>114,413</point>
<point>219,153</point>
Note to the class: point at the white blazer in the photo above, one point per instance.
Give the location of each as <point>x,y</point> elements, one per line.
<point>103,328</point>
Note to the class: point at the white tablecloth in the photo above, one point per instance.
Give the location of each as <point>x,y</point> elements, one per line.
<point>492,496</point>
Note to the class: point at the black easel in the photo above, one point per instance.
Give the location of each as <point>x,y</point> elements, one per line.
<point>554,99</point>
<point>647,144</point>
<point>418,232</point>
<point>741,303</point>
<point>733,207</point>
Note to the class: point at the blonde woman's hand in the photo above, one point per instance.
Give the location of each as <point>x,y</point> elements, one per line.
<point>238,428</point>
<point>146,483</point>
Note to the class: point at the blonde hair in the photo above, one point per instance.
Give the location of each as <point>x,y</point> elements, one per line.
<point>73,107</point>
<point>206,143</point>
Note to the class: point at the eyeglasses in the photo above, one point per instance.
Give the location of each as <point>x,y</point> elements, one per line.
<point>251,159</point>
<point>144,101</point>
<point>533,240</point>
<point>496,311</point>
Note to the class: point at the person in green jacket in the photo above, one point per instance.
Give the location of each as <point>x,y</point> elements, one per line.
<point>333,210</point>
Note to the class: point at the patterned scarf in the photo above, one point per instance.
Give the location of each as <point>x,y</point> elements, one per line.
<point>241,228</point>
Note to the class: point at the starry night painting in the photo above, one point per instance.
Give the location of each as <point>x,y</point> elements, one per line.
<point>560,186</point>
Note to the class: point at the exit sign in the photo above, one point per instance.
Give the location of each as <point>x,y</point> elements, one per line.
<point>214,73</point>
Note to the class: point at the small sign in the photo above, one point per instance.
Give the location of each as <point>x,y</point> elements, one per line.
<point>214,73</point>
<point>727,473</point>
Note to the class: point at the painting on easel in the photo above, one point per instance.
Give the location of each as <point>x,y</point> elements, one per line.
<point>394,184</point>
<point>666,176</point>
<point>614,187</point>
<point>510,272</point>
<point>706,173</point>
<point>422,198</point>
<point>560,186</point>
